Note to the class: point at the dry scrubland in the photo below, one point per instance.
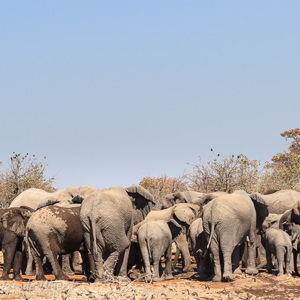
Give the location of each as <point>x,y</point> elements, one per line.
<point>184,286</point>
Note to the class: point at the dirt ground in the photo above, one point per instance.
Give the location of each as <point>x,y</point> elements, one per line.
<point>184,286</point>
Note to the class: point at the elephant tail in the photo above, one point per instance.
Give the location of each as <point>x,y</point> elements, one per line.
<point>30,244</point>
<point>93,232</point>
<point>212,230</point>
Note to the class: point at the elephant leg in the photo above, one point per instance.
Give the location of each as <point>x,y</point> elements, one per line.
<point>77,267</point>
<point>184,248</point>
<point>251,248</point>
<point>168,257</point>
<point>227,251</point>
<point>280,253</point>
<point>40,275</point>
<point>236,261</point>
<point>214,247</point>
<point>269,259</point>
<point>176,257</point>
<point>29,264</point>
<point>146,259</point>
<point>66,268</point>
<point>295,254</point>
<point>111,262</point>
<point>8,256</point>
<point>287,259</point>
<point>17,262</point>
<point>156,267</point>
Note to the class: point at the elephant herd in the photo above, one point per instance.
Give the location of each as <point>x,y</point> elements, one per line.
<point>118,230</point>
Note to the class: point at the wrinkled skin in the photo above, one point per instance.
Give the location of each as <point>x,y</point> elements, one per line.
<point>290,216</point>
<point>155,240</point>
<point>189,197</point>
<point>278,243</point>
<point>294,231</point>
<point>51,231</point>
<point>184,214</point>
<point>227,221</point>
<point>33,197</point>
<point>281,201</point>
<point>199,246</point>
<point>107,218</point>
<point>12,231</point>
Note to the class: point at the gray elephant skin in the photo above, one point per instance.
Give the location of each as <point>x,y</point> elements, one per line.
<point>54,230</point>
<point>184,214</point>
<point>227,221</point>
<point>281,201</point>
<point>189,197</point>
<point>278,243</point>
<point>107,217</point>
<point>33,197</point>
<point>12,232</point>
<point>199,246</point>
<point>155,239</point>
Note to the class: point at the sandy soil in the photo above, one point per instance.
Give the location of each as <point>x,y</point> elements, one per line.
<point>184,286</point>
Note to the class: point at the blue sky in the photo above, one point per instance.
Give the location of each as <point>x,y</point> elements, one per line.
<point>112,91</point>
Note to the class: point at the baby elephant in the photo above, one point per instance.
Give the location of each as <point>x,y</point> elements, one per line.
<point>278,243</point>
<point>155,239</point>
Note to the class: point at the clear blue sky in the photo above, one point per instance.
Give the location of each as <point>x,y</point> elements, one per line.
<point>112,91</point>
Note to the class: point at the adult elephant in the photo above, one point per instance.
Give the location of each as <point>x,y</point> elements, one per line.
<point>107,217</point>
<point>189,197</point>
<point>281,201</point>
<point>184,214</point>
<point>227,222</point>
<point>33,197</point>
<point>12,232</point>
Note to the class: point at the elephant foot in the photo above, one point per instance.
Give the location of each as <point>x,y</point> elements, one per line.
<point>237,271</point>
<point>169,277</point>
<point>148,279</point>
<point>157,279</point>
<point>5,277</point>
<point>280,274</point>
<point>251,271</point>
<point>17,277</point>
<point>227,277</point>
<point>41,278</point>
<point>62,276</point>
<point>124,279</point>
<point>29,273</point>
<point>68,272</point>
<point>217,278</point>
<point>78,269</point>
<point>188,269</point>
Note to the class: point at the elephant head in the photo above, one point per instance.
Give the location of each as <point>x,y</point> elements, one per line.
<point>15,219</point>
<point>185,213</point>
<point>175,228</point>
<point>142,202</point>
<point>290,216</point>
<point>172,199</point>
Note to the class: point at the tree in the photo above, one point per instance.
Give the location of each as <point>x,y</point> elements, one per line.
<point>23,173</point>
<point>163,185</point>
<point>224,174</point>
<point>283,172</point>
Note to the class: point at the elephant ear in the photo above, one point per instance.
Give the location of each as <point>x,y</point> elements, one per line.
<point>179,197</point>
<point>77,199</point>
<point>295,213</point>
<point>285,219</point>
<point>184,214</point>
<point>261,208</point>
<point>15,220</point>
<point>142,202</point>
<point>168,201</point>
<point>175,229</point>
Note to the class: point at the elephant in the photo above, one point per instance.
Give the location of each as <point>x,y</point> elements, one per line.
<point>290,216</point>
<point>12,232</point>
<point>278,243</point>
<point>155,239</point>
<point>227,222</point>
<point>281,201</point>
<point>54,230</point>
<point>33,197</point>
<point>184,214</point>
<point>199,244</point>
<point>107,217</point>
<point>189,197</point>
<point>294,231</point>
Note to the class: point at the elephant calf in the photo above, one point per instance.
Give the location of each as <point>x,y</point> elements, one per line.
<point>155,240</point>
<point>278,243</point>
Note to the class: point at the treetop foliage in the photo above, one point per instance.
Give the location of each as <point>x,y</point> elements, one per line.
<point>23,172</point>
